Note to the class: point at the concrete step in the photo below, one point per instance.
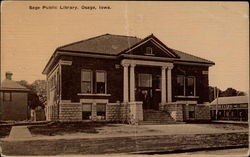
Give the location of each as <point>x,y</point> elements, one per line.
<point>157,117</point>
<point>159,122</point>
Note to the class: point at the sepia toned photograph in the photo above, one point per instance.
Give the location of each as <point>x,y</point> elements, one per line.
<point>124,78</point>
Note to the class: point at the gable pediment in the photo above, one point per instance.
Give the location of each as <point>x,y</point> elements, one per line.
<point>151,47</point>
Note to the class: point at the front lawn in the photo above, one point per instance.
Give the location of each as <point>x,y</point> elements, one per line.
<point>4,130</point>
<point>60,128</point>
<point>133,144</point>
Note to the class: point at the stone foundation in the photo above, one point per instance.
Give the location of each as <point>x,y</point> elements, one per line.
<point>187,112</point>
<point>175,110</point>
<point>202,112</point>
<point>130,113</point>
<point>113,112</point>
<point>70,112</point>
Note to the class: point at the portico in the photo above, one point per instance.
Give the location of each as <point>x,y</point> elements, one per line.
<point>129,83</point>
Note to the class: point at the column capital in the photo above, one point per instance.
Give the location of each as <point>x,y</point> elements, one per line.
<point>164,67</point>
<point>125,64</point>
<point>133,64</point>
<point>170,67</point>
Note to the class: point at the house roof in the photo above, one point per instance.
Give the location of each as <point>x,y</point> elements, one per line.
<point>11,85</point>
<point>191,58</point>
<point>105,44</point>
<point>114,45</point>
<point>231,100</point>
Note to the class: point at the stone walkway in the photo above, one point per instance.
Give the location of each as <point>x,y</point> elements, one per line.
<point>19,132</point>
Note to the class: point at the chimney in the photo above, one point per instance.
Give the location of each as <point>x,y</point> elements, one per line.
<point>8,75</point>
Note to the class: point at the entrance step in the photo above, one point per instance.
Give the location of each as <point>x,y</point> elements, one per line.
<point>158,122</point>
<point>157,117</point>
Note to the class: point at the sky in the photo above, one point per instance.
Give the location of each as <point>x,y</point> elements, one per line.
<point>217,31</point>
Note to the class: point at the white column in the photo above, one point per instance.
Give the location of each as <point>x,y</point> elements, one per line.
<point>132,82</point>
<point>170,84</point>
<point>125,82</point>
<point>163,84</point>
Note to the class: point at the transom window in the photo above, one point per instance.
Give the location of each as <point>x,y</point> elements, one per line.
<point>86,81</point>
<point>101,82</point>
<point>145,80</point>
<point>185,85</point>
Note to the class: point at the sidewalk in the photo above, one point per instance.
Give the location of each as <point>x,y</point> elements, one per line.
<point>230,121</point>
<point>19,132</point>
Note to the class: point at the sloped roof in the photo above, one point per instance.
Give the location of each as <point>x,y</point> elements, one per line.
<point>110,44</point>
<point>114,45</point>
<point>191,58</point>
<point>11,85</point>
<point>231,100</point>
<point>105,44</point>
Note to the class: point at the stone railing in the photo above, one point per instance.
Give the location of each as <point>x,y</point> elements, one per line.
<point>135,112</point>
<point>187,112</point>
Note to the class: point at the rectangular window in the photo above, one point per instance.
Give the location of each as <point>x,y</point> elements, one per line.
<point>180,86</point>
<point>101,111</point>
<point>86,81</point>
<point>7,96</point>
<point>145,80</point>
<point>149,51</point>
<point>101,82</point>
<point>190,86</point>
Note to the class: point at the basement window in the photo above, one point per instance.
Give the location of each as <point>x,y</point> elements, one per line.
<point>86,115</point>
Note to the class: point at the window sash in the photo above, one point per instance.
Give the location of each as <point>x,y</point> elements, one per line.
<point>181,85</point>
<point>186,88</point>
<point>85,81</point>
<point>100,81</point>
<point>190,86</point>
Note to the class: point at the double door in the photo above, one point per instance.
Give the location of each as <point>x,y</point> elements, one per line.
<point>148,89</point>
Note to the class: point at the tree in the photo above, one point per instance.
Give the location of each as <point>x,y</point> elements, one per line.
<point>232,92</point>
<point>37,94</point>
<point>39,87</point>
<point>228,92</point>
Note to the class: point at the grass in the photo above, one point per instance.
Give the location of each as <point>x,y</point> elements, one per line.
<point>134,144</point>
<point>4,130</point>
<point>228,126</point>
<point>60,128</point>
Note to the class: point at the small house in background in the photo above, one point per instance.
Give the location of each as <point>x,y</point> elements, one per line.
<point>230,108</point>
<point>13,100</point>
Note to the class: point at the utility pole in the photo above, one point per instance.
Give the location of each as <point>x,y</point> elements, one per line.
<point>216,95</point>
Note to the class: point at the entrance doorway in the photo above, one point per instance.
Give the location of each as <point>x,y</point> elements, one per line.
<point>148,90</point>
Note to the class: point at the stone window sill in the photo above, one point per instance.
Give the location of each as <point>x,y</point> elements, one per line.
<point>187,96</point>
<point>89,94</point>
